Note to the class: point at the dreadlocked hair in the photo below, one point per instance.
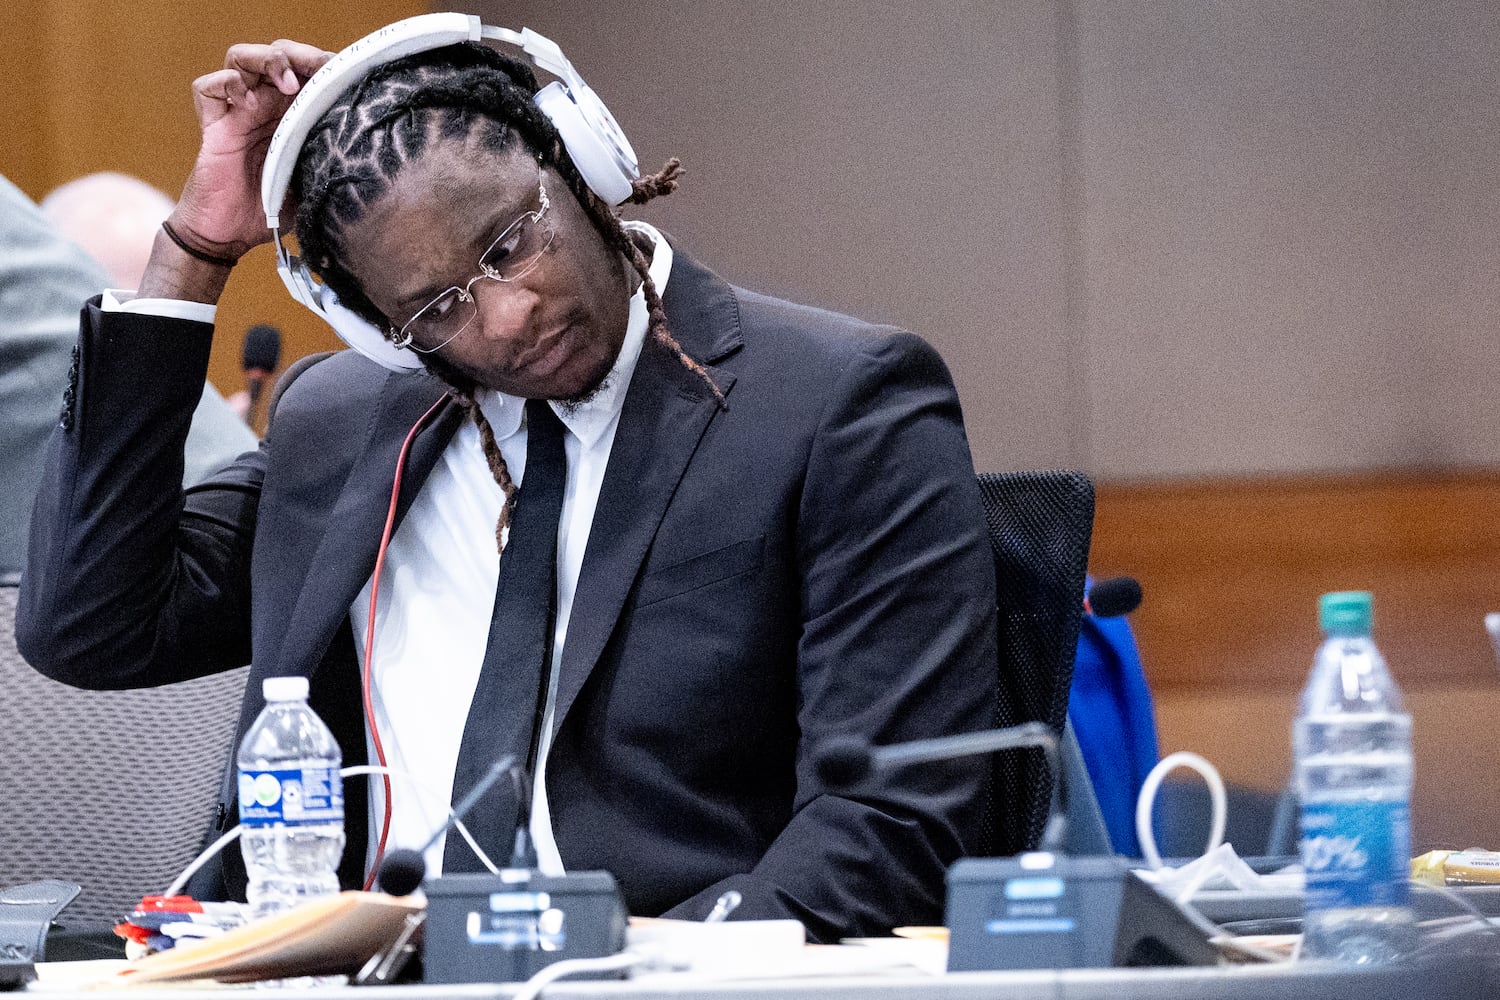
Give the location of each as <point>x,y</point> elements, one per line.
<point>468,93</point>
<point>496,462</point>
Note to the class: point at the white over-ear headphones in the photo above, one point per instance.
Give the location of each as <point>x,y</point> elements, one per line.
<point>594,142</point>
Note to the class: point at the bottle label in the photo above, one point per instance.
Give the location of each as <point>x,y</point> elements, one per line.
<point>1356,854</point>
<point>291,797</point>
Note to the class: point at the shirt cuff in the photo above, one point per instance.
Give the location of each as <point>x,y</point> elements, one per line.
<point>122,300</point>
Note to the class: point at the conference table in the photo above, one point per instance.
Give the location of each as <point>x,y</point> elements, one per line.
<point>1466,978</point>
<point>1455,960</point>
<point>1468,972</point>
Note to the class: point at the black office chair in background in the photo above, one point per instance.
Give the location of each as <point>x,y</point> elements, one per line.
<point>1040,525</point>
<point>113,790</point>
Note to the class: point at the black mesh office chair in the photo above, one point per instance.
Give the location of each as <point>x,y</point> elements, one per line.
<point>114,790</point>
<point>1040,525</point>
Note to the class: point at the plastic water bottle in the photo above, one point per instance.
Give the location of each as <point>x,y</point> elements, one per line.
<point>291,801</point>
<point>1354,770</point>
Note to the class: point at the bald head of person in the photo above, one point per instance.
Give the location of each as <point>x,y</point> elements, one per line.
<point>112,216</point>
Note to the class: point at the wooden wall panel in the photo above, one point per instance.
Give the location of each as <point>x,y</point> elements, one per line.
<point>1248,735</point>
<point>1233,569</point>
<point>86,87</point>
<point>26,153</point>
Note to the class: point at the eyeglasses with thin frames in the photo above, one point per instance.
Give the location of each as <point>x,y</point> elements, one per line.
<point>514,254</point>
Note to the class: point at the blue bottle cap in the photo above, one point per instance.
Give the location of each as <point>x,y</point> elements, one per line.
<point>1346,612</point>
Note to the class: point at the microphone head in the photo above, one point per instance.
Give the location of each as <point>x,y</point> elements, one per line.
<point>401,872</point>
<point>1116,596</point>
<point>262,348</point>
<point>843,761</point>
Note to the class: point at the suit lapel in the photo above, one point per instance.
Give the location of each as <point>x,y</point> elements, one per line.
<point>345,555</point>
<point>667,410</point>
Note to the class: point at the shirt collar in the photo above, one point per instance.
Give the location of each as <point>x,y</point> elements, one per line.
<point>590,419</point>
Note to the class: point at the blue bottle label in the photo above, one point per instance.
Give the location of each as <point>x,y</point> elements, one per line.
<point>291,797</point>
<point>1356,854</point>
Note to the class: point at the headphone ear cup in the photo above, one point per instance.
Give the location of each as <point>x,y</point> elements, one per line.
<point>594,142</point>
<point>359,334</point>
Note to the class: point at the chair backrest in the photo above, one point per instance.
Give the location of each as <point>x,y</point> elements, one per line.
<point>1040,525</point>
<point>114,790</point>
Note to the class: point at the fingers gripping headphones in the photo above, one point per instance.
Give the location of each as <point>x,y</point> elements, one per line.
<point>594,143</point>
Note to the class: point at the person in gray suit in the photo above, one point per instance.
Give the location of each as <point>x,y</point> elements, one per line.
<point>115,217</point>
<point>764,534</point>
<point>44,281</point>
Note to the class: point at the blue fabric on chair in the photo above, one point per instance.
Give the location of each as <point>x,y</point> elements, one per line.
<point>1111,711</point>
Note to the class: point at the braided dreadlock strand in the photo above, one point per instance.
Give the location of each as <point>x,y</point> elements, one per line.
<point>614,232</point>
<point>496,462</point>
<point>657,322</point>
<point>643,189</point>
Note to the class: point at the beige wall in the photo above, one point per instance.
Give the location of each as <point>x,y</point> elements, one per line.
<point>1154,238</point>
<point>1292,250</point>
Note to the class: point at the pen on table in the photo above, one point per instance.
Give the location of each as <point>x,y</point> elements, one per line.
<point>723,906</point>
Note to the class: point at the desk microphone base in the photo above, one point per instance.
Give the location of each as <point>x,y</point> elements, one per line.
<point>1050,911</point>
<point>504,928</point>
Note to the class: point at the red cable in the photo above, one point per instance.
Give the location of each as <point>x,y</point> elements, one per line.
<point>385,541</point>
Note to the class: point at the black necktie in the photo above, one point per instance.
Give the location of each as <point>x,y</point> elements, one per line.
<point>506,713</point>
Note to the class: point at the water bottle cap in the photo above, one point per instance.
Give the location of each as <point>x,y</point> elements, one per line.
<point>1346,612</point>
<point>284,688</point>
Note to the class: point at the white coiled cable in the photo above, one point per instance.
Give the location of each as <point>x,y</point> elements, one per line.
<point>1147,800</point>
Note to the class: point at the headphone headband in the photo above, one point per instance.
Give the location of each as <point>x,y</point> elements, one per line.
<point>594,142</point>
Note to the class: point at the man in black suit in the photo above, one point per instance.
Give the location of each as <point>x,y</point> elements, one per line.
<point>769,535</point>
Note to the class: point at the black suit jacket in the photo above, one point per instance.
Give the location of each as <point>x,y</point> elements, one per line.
<point>808,561</point>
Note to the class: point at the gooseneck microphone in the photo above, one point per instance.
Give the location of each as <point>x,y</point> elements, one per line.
<point>1119,595</point>
<point>403,869</point>
<point>843,762</point>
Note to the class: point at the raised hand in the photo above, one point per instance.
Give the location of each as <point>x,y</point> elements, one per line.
<point>238,109</point>
<point>219,214</point>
